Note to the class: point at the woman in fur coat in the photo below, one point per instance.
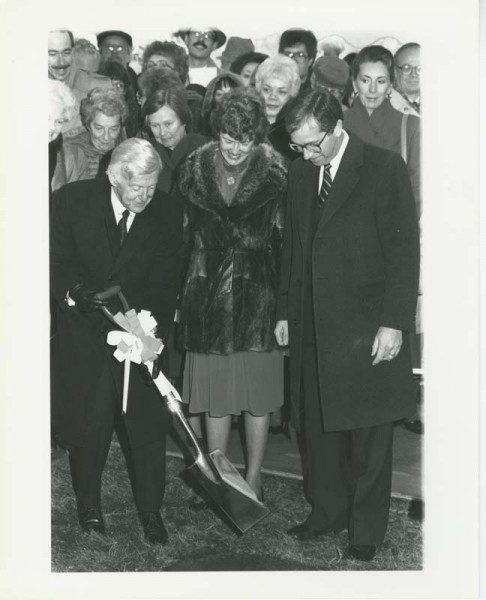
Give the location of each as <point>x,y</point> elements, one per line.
<point>234,192</point>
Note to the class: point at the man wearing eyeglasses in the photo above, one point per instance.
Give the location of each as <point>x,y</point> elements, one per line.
<point>117,45</point>
<point>301,46</point>
<point>347,297</point>
<point>201,43</point>
<point>406,95</point>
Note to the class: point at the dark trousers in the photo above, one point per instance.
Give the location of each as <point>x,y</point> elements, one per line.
<point>349,472</point>
<point>145,464</point>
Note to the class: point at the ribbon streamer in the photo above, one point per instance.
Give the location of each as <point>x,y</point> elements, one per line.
<point>136,344</point>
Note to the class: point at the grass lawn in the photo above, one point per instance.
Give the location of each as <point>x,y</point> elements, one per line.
<point>200,540</point>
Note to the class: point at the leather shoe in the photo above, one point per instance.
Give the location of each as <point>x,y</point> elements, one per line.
<point>361,552</point>
<point>90,519</point>
<point>303,532</point>
<point>153,528</point>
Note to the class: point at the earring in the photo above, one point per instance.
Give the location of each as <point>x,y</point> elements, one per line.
<point>355,93</point>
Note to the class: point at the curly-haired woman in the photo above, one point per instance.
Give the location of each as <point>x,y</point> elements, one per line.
<point>103,114</point>
<point>234,192</point>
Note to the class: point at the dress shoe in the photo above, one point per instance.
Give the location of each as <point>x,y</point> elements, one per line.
<point>153,528</point>
<point>361,552</point>
<point>90,519</point>
<point>303,532</point>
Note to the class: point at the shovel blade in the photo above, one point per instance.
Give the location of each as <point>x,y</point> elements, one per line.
<point>232,495</point>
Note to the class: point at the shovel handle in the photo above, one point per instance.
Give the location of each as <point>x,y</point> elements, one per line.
<point>114,290</point>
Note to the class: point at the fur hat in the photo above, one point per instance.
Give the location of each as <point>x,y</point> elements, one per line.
<point>330,72</point>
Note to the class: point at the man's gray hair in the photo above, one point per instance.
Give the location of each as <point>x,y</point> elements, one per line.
<point>132,158</point>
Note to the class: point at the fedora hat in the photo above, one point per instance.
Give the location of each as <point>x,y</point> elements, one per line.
<point>330,72</point>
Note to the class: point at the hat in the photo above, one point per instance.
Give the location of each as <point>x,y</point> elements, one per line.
<point>330,72</point>
<point>235,47</point>
<point>104,34</point>
<point>220,36</point>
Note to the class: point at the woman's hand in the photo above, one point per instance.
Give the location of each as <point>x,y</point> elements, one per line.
<point>282,333</point>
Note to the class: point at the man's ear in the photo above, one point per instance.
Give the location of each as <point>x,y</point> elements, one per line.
<point>111,177</point>
<point>338,129</point>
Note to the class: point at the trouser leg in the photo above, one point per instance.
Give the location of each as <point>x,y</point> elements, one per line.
<point>326,455</point>
<point>146,468</point>
<point>371,464</point>
<point>87,462</point>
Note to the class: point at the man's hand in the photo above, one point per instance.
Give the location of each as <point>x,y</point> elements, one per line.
<point>282,333</point>
<point>386,345</point>
<point>84,297</point>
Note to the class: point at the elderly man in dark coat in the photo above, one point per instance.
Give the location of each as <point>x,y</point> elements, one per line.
<point>347,301</point>
<point>115,230</point>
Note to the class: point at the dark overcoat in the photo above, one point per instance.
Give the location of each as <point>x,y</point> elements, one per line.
<point>365,264</point>
<point>86,380</point>
<point>229,295</point>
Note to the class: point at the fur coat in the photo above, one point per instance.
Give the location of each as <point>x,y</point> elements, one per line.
<point>233,253</point>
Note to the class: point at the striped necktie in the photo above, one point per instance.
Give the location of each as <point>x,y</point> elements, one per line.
<point>122,226</point>
<point>326,185</point>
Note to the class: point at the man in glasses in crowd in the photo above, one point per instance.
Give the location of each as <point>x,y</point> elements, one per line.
<point>406,95</point>
<point>346,307</point>
<point>117,45</point>
<point>201,43</point>
<point>301,46</point>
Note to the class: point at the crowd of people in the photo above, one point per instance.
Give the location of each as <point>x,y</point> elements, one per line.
<point>266,211</point>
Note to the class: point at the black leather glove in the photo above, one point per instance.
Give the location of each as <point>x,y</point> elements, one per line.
<point>84,297</point>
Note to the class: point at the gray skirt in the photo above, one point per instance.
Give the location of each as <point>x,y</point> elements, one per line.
<point>227,385</point>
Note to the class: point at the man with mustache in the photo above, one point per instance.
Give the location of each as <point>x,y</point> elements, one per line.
<point>200,45</point>
<point>60,44</point>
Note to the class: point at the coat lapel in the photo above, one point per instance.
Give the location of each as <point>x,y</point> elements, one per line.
<point>308,183</point>
<point>347,177</point>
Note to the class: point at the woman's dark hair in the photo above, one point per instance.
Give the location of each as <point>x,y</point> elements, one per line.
<point>171,50</point>
<point>374,54</point>
<point>158,78</point>
<point>241,115</point>
<point>249,57</point>
<point>217,83</point>
<point>322,106</point>
<point>174,99</point>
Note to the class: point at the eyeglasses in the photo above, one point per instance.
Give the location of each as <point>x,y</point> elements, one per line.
<point>161,63</point>
<point>299,57</point>
<point>408,69</point>
<point>311,147</point>
<point>118,85</point>
<point>205,35</point>
<point>115,48</point>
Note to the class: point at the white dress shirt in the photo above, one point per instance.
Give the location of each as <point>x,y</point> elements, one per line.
<point>119,209</point>
<point>335,162</point>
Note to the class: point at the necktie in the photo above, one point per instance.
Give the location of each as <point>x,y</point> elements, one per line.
<point>326,185</point>
<point>122,226</point>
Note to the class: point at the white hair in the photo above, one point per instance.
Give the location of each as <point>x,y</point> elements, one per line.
<point>134,157</point>
<point>61,95</point>
<point>279,66</point>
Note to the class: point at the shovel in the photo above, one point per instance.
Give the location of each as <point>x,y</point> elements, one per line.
<point>215,474</point>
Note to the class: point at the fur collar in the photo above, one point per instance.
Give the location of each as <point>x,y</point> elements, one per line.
<point>264,179</point>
